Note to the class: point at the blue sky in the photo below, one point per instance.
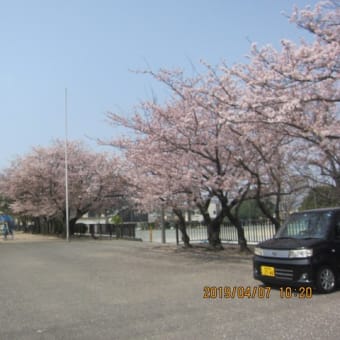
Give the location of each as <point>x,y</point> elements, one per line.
<point>91,46</point>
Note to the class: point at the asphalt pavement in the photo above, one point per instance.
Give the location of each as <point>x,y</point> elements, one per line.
<point>102,289</point>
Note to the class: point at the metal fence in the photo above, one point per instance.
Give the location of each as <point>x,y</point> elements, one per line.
<point>254,232</point>
<point>126,230</point>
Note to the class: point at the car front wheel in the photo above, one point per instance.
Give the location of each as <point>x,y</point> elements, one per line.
<point>325,280</point>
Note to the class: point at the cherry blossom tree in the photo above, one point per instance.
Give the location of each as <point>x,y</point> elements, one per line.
<point>297,89</point>
<point>193,137</point>
<point>35,183</point>
<point>242,132</point>
<point>272,161</point>
<point>287,103</point>
<point>152,174</point>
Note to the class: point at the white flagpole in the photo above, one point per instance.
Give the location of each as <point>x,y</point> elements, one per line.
<point>66,172</point>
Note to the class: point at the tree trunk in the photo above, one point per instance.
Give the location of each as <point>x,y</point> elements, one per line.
<point>182,227</point>
<point>242,242</point>
<point>72,224</point>
<point>213,225</point>
<point>273,219</point>
<point>213,230</point>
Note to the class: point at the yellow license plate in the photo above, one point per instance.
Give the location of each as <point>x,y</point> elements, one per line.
<point>267,271</point>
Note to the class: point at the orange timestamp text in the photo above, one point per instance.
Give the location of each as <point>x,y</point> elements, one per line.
<point>236,292</point>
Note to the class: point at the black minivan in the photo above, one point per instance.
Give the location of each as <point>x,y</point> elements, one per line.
<point>304,252</point>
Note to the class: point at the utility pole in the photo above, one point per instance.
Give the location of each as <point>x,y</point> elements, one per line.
<point>163,224</point>
<point>66,172</point>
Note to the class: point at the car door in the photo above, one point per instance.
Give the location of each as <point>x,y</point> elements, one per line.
<point>336,242</point>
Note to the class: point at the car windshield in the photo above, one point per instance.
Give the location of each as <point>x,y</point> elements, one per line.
<point>306,225</point>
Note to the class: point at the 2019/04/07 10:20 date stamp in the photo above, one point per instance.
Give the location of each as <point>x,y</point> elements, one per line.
<point>252,292</point>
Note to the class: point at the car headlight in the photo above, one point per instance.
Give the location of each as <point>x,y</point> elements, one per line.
<point>300,253</point>
<point>258,251</point>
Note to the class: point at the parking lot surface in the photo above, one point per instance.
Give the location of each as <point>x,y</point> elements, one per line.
<point>102,289</point>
